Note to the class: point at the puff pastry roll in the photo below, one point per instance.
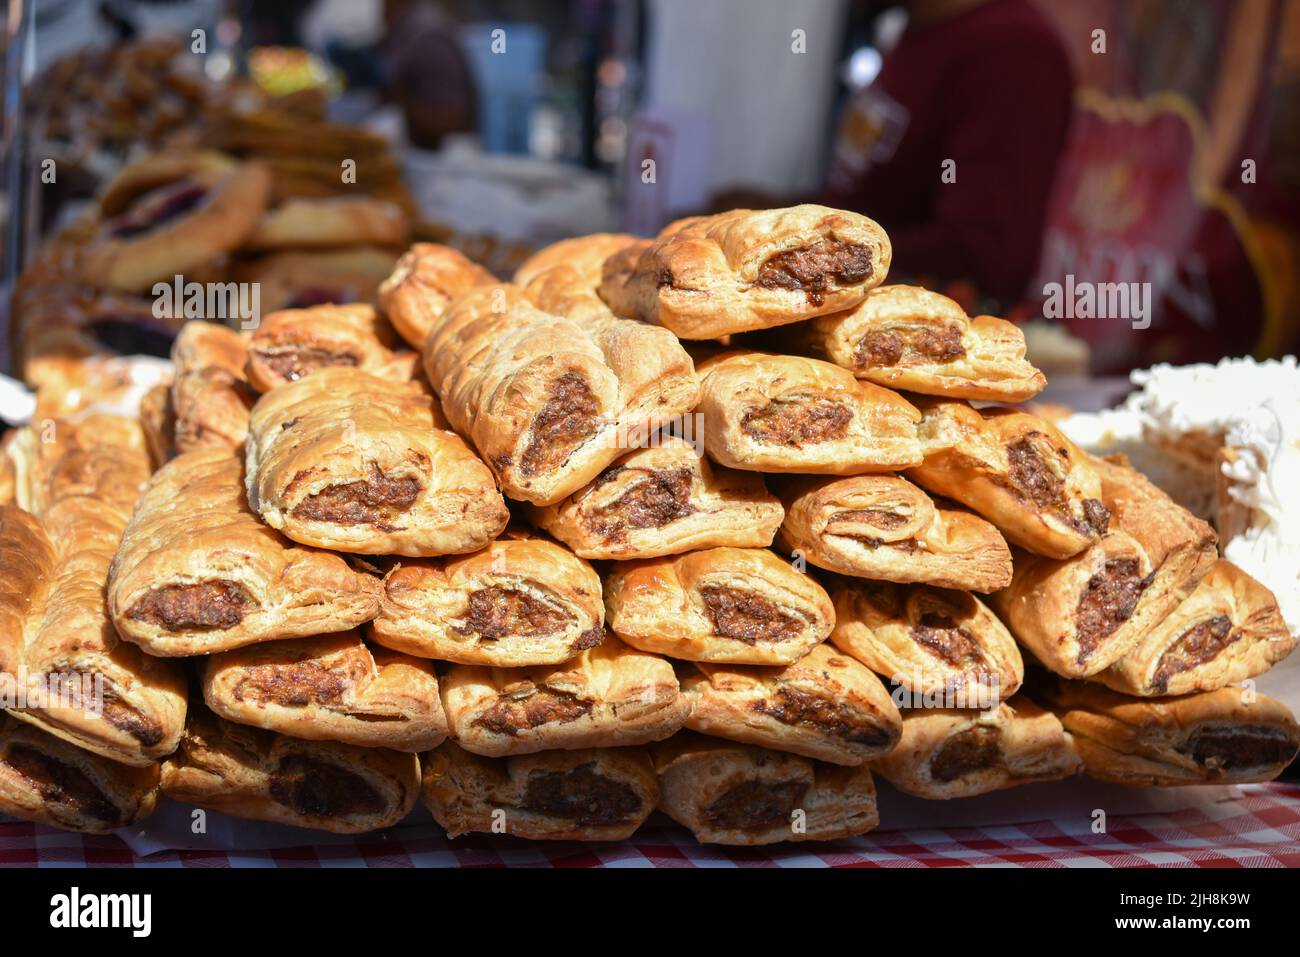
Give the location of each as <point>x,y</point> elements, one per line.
<point>296,279</point>
<point>1018,471</point>
<point>743,606</point>
<point>331,688</point>
<point>710,276</point>
<point>1227,630</point>
<point>210,392</point>
<point>307,222</point>
<point>947,753</point>
<point>585,255</point>
<point>100,456</point>
<point>252,773</point>
<point>609,696</point>
<point>595,794</point>
<point>931,641</point>
<point>197,572</point>
<point>663,500</point>
<point>81,682</point>
<point>549,400</point>
<point>772,413</point>
<point>884,527</point>
<point>1080,615</point>
<point>423,284</point>
<point>49,781</point>
<point>728,793</point>
<point>519,602</point>
<point>906,337</point>
<point>158,420</point>
<point>345,460</point>
<point>294,343</point>
<point>825,706</point>
<point>1219,737</point>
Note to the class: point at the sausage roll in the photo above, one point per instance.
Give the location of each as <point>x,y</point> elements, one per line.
<point>1018,471</point>
<point>772,413</point>
<point>197,571</point>
<point>549,400</point>
<point>297,279</point>
<point>931,641</point>
<point>595,794</point>
<point>346,460</point>
<point>1227,630</point>
<point>294,343</point>
<point>743,606</point>
<point>158,419</point>
<point>311,222</point>
<point>585,255</point>
<point>825,706</point>
<point>519,602</point>
<point>49,781</point>
<point>101,456</point>
<point>728,793</point>
<point>1079,615</point>
<point>710,276</point>
<point>252,773</point>
<point>423,284</point>
<point>331,688</point>
<point>884,527</point>
<point>171,213</point>
<point>663,500</point>
<point>81,682</point>
<point>946,753</point>
<point>1219,737</point>
<point>609,696</point>
<point>906,337</point>
<point>210,392</point>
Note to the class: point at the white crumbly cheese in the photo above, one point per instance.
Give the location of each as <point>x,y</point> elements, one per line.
<point>1249,407</point>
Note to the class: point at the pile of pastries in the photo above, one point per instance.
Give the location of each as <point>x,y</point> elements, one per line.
<point>716,523</point>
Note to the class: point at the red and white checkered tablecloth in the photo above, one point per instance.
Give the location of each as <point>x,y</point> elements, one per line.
<point>1259,829</point>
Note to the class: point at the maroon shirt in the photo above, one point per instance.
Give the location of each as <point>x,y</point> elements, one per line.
<point>990,89</point>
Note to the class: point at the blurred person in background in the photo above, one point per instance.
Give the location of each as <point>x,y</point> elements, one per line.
<point>426,72</point>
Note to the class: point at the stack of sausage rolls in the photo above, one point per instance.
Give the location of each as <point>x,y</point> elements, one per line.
<point>718,524</point>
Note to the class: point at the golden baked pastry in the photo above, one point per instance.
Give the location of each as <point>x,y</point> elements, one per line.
<point>298,279</point>
<point>663,500</point>
<point>594,794</point>
<point>728,793</point>
<point>743,606</point>
<point>906,337</point>
<point>158,419</point>
<point>210,392</point>
<point>423,284</point>
<point>931,641</point>
<point>709,276</point>
<point>519,602</point>
<point>884,527</point>
<point>197,572</point>
<point>314,222</point>
<point>251,773</point>
<point>585,255</point>
<point>330,688</point>
<point>825,706</point>
<point>101,456</point>
<point>346,460</point>
<point>949,754</point>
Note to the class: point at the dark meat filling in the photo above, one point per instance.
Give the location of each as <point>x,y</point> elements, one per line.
<point>1107,603</point>
<point>498,612</point>
<point>1031,477</point>
<point>798,708</point>
<point>61,783</point>
<point>948,641</point>
<point>660,498</point>
<point>293,364</point>
<point>754,804</point>
<point>145,729</point>
<point>566,421</point>
<point>1231,749</point>
<point>1199,644</point>
<point>510,715</point>
<point>1096,517</point>
<point>878,517</point>
<point>294,684</point>
<point>798,422</point>
<point>215,605</point>
<point>886,347</point>
<point>375,501</point>
<point>582,796</point>
<point>318,789</point>
<point>975,749</point>
<point>746,616</point>
<point>817,268</point>
<point>158,207</point>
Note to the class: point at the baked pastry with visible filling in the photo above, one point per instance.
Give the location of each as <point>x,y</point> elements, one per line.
<point>210,392</point>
